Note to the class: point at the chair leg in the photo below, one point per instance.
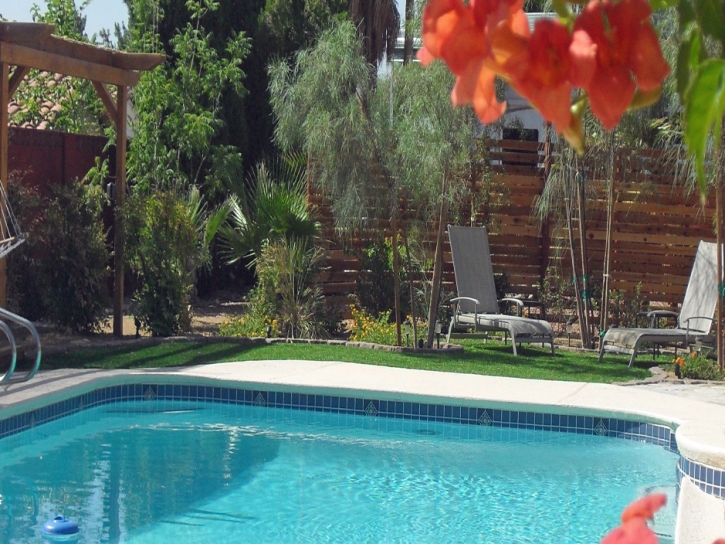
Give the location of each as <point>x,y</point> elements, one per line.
<point>450,330</point>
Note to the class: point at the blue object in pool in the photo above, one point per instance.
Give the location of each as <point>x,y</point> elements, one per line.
<point>60,529</point>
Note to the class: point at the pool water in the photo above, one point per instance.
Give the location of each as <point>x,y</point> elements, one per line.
<point>176,472</point>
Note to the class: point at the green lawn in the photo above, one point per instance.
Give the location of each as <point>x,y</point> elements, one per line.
<point>492,359</point>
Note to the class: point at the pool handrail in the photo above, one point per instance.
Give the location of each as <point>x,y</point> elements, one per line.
<point>5,315</point>
<point>13,347</point>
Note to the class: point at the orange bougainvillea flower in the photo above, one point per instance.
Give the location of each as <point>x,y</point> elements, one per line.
<point>632,532</point>
<point>546,71</point>
<point>628,55</point>
<point>645,507</point>
<point>451,33</point>
<point>474,41</point>
<point>634,528</point>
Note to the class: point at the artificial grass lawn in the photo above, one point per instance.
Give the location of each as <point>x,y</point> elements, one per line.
<point>491,359</point>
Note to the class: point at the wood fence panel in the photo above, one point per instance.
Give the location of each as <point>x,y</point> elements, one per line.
<point>657,225</point>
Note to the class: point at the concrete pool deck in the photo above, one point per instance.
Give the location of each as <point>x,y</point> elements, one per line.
<point>700,425</point>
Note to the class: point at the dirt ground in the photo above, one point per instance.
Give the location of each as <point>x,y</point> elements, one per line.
<point>207,315</point>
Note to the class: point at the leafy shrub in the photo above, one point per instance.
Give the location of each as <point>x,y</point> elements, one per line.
<point>61,274</point>
<point>254,322</point>
<point>374,288</point>
<point>558,298</point>
<point>624,308</point>
<point>286,270</point>
<point>697,367</point>
<point>168,237</point>
<point>285,298</point>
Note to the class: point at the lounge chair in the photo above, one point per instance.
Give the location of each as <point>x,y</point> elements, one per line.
<point>693,321</point>
<point>476,305</point>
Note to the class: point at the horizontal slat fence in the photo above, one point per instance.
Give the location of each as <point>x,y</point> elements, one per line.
<point>657,224</point>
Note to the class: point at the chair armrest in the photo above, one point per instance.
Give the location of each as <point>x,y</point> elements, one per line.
<point>470,299</point>
<point>661,313</point>
<point>687,321</point>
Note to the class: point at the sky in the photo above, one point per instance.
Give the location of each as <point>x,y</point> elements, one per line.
<point>99,13</point>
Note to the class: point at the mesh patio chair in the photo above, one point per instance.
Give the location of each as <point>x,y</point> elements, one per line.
<point>693,322</point>
<point>476,306</point>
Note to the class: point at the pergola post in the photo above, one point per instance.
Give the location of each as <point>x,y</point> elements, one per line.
<point>118,253</point>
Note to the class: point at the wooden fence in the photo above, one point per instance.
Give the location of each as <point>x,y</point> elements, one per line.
<point>657,224</point>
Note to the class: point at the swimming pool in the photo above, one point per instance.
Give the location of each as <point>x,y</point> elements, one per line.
<point>241,464</point>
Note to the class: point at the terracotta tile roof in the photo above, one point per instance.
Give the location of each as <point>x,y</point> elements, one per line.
<point>48,108</point>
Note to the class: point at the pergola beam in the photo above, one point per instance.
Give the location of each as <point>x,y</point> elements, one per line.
<point>21,55</point>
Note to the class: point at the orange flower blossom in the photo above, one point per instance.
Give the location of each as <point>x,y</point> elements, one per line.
<point>611,53</point>
<point>474,41</point>
<point>634,529</point>
<point>628,56</point>
<point>551,65</point>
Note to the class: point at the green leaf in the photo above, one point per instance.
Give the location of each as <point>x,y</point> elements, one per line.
<point>688,59</point>
<point>658,5</point>
<point>703,112</point>
<point>711,17</point>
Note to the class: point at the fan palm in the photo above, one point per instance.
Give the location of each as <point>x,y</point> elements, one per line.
<point>268,206</point>
<point>378,23</point>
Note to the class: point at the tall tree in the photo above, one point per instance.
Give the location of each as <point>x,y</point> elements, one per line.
<point>276,29</point>
<point>179,109</point>
<point>378,24</point>
<point>367,144</point>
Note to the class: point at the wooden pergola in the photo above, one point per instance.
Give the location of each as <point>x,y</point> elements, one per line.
<point>33,45</point>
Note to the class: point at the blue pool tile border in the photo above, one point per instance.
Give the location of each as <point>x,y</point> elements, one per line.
<point>709,479</point>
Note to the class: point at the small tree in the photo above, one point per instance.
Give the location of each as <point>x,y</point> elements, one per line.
<point>169,236</point>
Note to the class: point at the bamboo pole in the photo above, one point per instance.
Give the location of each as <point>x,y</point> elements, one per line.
<point>606,268</point>
<point>572,253</point>
<point>586,292</point>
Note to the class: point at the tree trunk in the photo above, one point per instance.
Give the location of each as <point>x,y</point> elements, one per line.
<point>408,45</point>
<point>438,265</point>
<point>396,273</point>
<point>411,294</point>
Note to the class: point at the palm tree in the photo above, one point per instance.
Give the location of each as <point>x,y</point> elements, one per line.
<point>270,205</point>
<point>378,23</point>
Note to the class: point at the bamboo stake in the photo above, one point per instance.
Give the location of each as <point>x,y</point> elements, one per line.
<point>604,310</point>
<point>572,253</point>
<point>586,295</point>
